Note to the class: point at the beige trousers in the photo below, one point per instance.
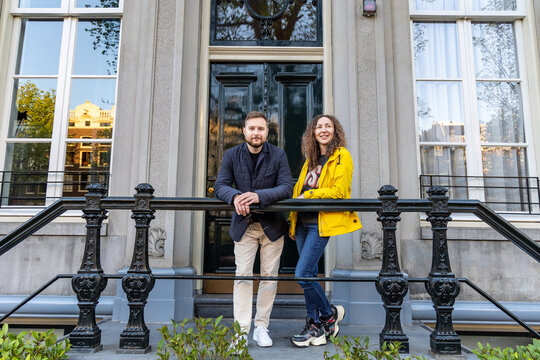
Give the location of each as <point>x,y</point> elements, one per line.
<point>244,252</point>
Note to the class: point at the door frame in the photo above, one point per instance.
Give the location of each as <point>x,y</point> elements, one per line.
<point>251,54</point>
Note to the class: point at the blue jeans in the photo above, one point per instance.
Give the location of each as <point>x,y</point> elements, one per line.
<point>310,249</point>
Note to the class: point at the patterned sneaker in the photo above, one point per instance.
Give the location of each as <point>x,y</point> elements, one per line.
<point>313,334</point>
<point>330,325</point>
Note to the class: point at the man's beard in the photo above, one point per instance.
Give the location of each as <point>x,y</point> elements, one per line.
<point>250,142</point>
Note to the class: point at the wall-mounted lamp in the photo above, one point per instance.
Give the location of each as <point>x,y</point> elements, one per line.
<point>370,8</point>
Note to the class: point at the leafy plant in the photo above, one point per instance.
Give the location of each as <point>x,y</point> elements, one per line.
<point>207,339</point>
<point>356,348</point>
<point>529,352</point>
<point>32,346</point>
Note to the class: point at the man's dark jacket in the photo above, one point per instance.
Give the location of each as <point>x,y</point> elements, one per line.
<point>271,180</point>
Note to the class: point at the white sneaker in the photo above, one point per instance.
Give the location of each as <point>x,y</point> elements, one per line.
<point>260,335</point>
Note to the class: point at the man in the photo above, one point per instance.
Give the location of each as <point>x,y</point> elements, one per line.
<point>261,175</point>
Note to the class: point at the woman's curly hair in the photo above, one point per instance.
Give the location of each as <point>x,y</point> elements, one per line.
<point>310,146</point>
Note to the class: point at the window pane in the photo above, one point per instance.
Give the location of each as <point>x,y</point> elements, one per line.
<point>507,193</point>
<point>89,121</point>
<point>495,51</point>
<point>25,177</point>
<point>436,50</point>
<point>499,112</point>
<point>439,107</point>
<point>32,112</point>
<point>92,108</point>
<point>494,5</point>
<point>436,4</point>
<point>39,47</point>
<point>238,20</point>
<point>96,50</point>
<point>96,3</point>
<point>85,163</point>
<point>449,164</point>
<point>40,3</point>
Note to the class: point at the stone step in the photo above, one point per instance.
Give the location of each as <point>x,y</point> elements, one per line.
<point>285,306</point>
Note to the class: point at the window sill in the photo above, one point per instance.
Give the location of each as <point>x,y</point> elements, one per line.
<point>473,229</point>
<point>68,224</point>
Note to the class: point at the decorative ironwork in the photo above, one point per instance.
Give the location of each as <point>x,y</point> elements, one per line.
<point>504,194</point>
<point>442,285</point>
<point>391,282</point>
<point>266,23</point>
<point>89,281</point>
<point>139,280</point>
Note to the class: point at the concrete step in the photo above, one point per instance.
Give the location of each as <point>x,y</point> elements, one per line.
<point>214,305</point>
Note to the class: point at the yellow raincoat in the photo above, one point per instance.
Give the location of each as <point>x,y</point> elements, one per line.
<point>334,183</point>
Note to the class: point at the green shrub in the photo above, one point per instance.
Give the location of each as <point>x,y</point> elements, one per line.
<point>356,348</point>
<point>529,352</point>
<point>208,339</point>
<point>32,346</point>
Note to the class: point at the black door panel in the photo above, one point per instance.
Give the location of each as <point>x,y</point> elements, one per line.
<point>290,95</point>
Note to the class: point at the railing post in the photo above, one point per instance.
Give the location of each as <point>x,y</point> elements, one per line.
<point>139,281</point>
<point>89,281</point>
<point>442,285</point>
<point>391,283</point>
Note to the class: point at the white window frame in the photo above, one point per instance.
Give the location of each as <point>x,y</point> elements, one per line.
<point>70,16</point>
<point>464,19</point>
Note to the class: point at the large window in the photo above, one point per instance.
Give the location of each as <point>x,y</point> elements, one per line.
<point>61,88</point>
<point>471,93</point>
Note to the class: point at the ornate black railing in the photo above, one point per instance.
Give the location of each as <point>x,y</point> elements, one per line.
<point>33,188</point>
<point>441,284</point>
<point>504,194</point>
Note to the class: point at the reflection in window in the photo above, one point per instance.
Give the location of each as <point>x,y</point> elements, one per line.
<point>97,47</point>
<point>40,3</point>
<point>508,190</point>
<point>266,22</point>
<point>39,52</point>
<point>86,163</point>
<point>32,114</point>
<point>449,161</point>
<point>500,113</point>
<point>495,5</point>
<point>439,109</point>
<point>495,51</point>
<point>436,4</point>
<point>96,3</point>
<point>25,175</point>
<point>88,122</point>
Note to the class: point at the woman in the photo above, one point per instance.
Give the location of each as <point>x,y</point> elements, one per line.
<point>326,174</point>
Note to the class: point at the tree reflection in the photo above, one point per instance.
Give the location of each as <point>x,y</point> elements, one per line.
<point>35,111</point>
<point>106,34</point>
<point>234,21</point>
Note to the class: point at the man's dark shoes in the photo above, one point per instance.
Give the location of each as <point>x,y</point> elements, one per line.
<point>313,334</point>
<point>331,324</point>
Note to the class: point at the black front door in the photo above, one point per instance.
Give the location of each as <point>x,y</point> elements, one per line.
<point>290,95</point>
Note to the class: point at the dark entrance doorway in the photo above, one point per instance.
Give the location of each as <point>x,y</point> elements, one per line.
<point>290,95</point>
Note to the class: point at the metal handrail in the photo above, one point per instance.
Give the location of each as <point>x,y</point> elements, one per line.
<point>484,213</point>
